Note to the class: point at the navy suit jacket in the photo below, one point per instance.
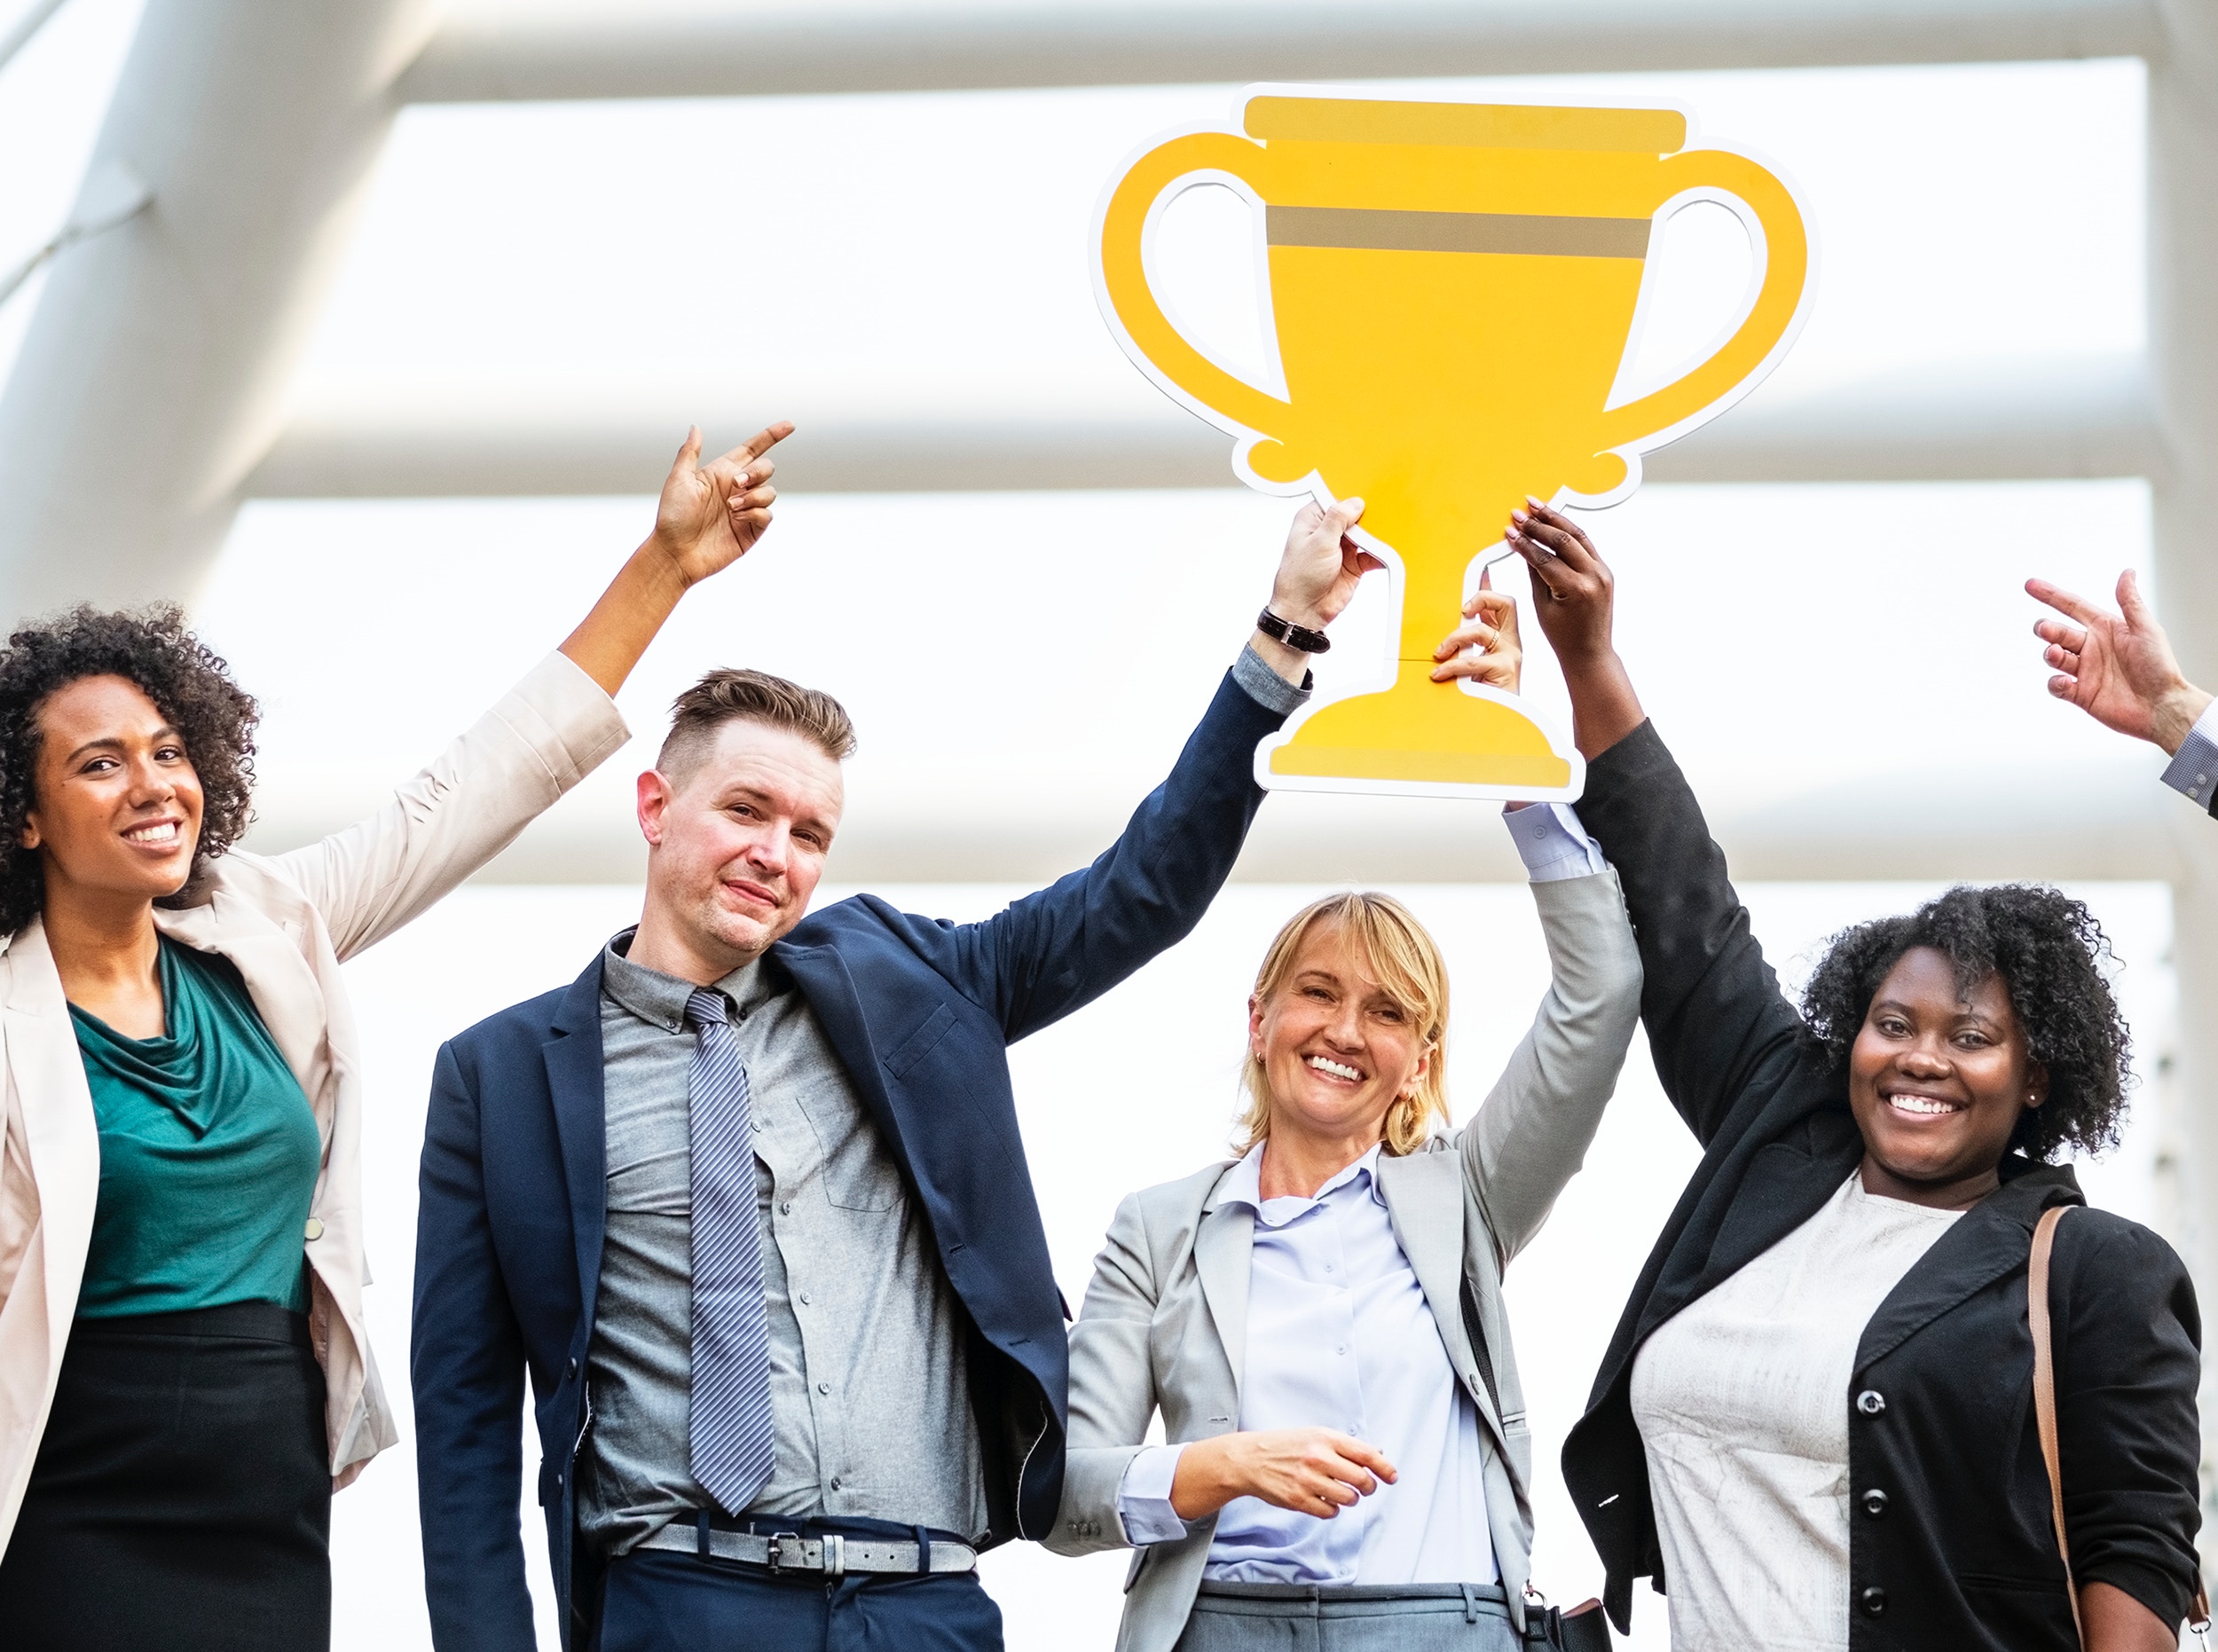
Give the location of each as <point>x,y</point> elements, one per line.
<point>920,1012</point>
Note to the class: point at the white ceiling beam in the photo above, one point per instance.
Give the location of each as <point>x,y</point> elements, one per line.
<point>154,373</point>
<point>666,49</point>
<point>2075,416</point>
<point>2112,821</point>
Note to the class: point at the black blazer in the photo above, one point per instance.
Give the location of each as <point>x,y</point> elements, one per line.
<point>1950,1546</point>
<point>920,1012</point>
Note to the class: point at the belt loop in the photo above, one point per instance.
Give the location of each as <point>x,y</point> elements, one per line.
<point>924,1548</point>
<point>700,1529</point>
<point>835,1554</point>
<point>1470,1604</point>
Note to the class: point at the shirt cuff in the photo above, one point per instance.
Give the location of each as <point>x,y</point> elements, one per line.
<point>1553,843</point>
<point>1143,1494</point>
<point>1266,686</point>
<point>2194,770</point>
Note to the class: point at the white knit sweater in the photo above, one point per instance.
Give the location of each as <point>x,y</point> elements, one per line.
<point>1742,1403</point>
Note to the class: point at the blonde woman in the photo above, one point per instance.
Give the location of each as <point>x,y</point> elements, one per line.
<point>1320,1321</point>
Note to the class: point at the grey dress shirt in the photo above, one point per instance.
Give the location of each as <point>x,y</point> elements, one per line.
<point>868,1392</point>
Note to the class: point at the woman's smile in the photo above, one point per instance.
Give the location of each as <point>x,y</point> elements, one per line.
<point>1338,1071</point>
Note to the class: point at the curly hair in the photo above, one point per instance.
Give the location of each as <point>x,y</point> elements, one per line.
<point>2049,951</point>
<point>176,670</point>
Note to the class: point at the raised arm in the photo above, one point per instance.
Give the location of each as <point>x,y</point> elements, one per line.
<point>2119,670</point>
<point>1531,1134</point>
<point>549,732</point>
<point>1713,1006</point>
<point>1044,955</point>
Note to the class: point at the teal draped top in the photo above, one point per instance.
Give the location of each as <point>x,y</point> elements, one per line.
<point>208,1153</point>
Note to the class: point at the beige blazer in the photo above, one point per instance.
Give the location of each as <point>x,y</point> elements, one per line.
<point>287,922</point>
<point>1164,1324</point>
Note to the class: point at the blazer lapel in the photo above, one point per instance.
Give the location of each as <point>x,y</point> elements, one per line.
<point>59,1124</point>
<point>1223,1250</point>
<point>1786,1183</point>
<point>1987,1242</point>
<point>1424,1200</point>
<point>573,1054</point>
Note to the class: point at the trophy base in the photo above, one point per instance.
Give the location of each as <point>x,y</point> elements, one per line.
<point>1422,733</point>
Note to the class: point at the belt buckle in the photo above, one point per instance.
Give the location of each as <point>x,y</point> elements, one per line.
<point>775,1557</point>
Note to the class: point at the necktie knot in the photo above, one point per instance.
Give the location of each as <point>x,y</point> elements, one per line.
<point>708,1008</point>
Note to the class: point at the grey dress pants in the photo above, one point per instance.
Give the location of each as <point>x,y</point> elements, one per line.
<point>1296,1618</point>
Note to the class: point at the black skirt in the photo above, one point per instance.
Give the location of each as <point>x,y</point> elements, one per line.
<point>182,1497</point>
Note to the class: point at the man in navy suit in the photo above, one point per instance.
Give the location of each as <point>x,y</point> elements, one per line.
<point>748,1201</point>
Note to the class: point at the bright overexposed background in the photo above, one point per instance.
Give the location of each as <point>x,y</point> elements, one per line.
<point>1018,658</point>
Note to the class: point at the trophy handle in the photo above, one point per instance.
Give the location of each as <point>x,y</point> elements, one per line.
<point>1192,376</point>
<point>1778,303</point>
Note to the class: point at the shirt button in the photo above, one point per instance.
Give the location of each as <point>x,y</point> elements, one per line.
<point>757,1123</point>
<point>805,1299</point>
<point>1871,1402</point>
<point>1342,1348</point>
<point>837,1482</point>
<point>1328,1267</point>
<point>1875,1601</point>
<point>315,1229</point>
<point>823,1388</point>
<point>785,1207</point>
<point>1874,1502</point>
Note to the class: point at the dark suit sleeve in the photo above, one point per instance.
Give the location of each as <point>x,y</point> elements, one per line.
<point>467,1368</point>
<point>1711,1005</point>
<point>1048,954</point>
<point>2127,1339</point>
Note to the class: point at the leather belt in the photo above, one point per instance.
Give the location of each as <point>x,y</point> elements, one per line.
<point>832,1555</point>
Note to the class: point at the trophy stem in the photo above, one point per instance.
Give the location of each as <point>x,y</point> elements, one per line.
<point>1420,731</point>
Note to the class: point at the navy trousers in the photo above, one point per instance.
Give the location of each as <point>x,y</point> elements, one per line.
<point>660,1601</point>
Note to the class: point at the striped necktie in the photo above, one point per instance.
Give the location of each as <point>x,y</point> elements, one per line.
<point>732,1444</point>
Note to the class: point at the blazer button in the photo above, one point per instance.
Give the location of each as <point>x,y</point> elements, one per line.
<point>1874,1502</point>
<point>1875,1601</point>
<point>315,1228</point>
<point>572,1372</point>
<point>1871,1402</point>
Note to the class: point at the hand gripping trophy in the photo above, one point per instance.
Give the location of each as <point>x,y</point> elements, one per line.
<point>1422,259</point>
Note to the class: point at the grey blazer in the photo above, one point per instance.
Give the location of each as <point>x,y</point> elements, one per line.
<point>1165,1321</point>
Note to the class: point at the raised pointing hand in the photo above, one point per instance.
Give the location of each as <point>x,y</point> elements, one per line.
<point>711,514</point>
<point>2118,668</point>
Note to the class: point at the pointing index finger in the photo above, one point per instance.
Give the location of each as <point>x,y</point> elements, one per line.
<point>761,442</point>
<point>2063,601</point>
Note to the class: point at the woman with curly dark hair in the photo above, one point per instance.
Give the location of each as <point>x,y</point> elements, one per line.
<point>184,1374</point>
<point>1817,1417</point>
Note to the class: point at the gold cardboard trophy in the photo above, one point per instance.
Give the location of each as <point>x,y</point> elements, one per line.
<point>1452,288</point>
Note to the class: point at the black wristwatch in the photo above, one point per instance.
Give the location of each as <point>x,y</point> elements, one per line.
<point>1294,636</point>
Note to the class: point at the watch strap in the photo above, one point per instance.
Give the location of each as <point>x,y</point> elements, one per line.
<point>1294,636</point>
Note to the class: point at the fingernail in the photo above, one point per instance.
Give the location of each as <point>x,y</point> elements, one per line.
<point>1519,517</point>
<point>1534,503</point>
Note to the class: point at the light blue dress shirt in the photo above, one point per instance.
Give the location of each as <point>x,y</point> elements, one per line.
<point>1340,1336</point>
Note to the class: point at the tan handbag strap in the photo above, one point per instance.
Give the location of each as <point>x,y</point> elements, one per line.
<point>2045,1409</point>
<point>2045,1392</point>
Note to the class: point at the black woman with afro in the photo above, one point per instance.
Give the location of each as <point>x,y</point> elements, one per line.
<point>184,1377</point>
<point>1815,1425</point>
